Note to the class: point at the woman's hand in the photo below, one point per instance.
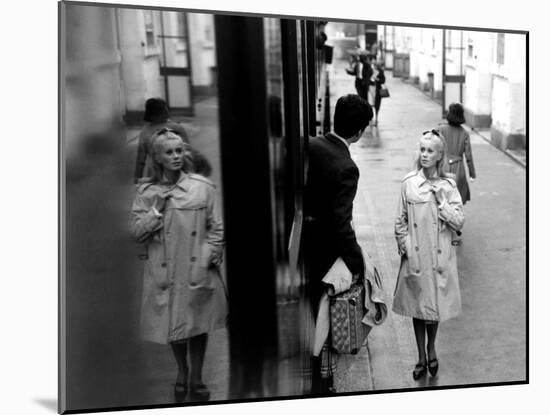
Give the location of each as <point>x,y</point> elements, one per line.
<point>160,201</point>
<point>439,194</point>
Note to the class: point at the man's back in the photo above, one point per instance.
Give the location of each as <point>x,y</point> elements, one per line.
<point>329,162</point>
<point>330,189</point>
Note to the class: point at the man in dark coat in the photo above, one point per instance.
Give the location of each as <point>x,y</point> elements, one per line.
<point>328,203</point>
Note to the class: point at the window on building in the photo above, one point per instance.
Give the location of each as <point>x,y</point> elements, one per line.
<point>149,28</point>
<point>449,40</point>
<point>500,48</point>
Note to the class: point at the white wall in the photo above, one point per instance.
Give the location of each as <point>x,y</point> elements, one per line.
<point>203,53</point>
<point>132,39</point>
<point>92,98</point>
<point>508,98</point>
<point>479,80</point>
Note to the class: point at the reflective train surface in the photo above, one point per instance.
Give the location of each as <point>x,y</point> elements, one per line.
<point>275,99</point>
<point>250,91</point>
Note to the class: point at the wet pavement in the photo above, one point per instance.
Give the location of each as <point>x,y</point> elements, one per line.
<point>487,342</point>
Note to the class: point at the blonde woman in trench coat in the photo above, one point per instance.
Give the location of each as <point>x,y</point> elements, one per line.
<point>427,289</point>
<point>176,217</point>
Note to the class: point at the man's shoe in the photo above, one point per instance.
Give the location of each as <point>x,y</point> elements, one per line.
<point>327,386</point>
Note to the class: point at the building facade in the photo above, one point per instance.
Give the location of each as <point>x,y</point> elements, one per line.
<point>117,58</point>
<point>485,71</point>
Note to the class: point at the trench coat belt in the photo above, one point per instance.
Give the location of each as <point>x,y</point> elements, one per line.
<point>454,159</point>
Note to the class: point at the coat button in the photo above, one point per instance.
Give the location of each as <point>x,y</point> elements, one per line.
<point>418,271</point>
<point>415,225</point>
<point>193,233</point>
<point>439,251</point>
<point>193,259</point>
<point>163,265</point>
<point>417,248</point>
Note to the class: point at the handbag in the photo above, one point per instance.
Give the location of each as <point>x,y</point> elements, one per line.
<point>384,92</point>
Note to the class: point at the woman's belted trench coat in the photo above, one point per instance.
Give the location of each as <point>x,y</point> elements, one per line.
<point>183,295</point>
<point>427,287</point>
<point>458,149</point>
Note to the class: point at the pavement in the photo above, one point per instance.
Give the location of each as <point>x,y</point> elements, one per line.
<point>487,342</point>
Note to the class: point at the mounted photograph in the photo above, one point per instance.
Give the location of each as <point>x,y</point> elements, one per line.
<point>262,207</point>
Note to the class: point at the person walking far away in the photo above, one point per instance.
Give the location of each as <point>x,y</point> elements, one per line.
<point>430,209</point>
<point>379,81</point>
<point>361,68</point>
<point>328,203</point>
<point>459,148</point>
<point>175,215</point>
<point>157,117</point>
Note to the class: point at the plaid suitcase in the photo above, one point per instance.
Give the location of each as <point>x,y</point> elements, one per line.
<point>346,313</point>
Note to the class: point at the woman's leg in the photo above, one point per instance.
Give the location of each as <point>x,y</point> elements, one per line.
<point>433,363</point>
<point>197,349</point>
<point>431,329</point>
<point>377,102</point>
<point>420,335</point>
<point>180,353</point>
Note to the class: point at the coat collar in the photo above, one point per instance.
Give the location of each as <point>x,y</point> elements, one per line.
<point>423,179</point>
<point>333,138</point>
<point>183,182</point>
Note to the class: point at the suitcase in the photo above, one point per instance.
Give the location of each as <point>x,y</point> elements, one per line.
<point>346,313</point>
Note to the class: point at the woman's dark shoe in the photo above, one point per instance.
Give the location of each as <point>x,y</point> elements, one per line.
<point>419,371</point>
<point>180,390</point>
<point>433,366</point>
<point>199,392</point>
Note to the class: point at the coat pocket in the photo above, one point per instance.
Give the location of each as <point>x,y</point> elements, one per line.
<point>157,269</point>
<point>202,295</point>
<point>413,266</point>
<point>201,276</point>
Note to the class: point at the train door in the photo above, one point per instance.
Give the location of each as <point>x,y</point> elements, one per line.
<point>266,102</point>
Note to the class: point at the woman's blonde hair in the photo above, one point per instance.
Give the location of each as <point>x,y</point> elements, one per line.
<point>442,165</point>
<point>160,137</point>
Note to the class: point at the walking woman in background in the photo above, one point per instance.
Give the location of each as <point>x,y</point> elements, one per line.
<point>459,148</point>
<point>157,117</point>
<point>379,80</point>
<point>427,288</point>
<point>175,215</point>
<point>361,67</point>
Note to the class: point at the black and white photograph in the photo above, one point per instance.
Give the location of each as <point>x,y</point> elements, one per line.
<point>292,209</point>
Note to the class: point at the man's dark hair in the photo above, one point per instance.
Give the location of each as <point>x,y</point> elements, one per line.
<point>351,115</point>
<point>156,110</point>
